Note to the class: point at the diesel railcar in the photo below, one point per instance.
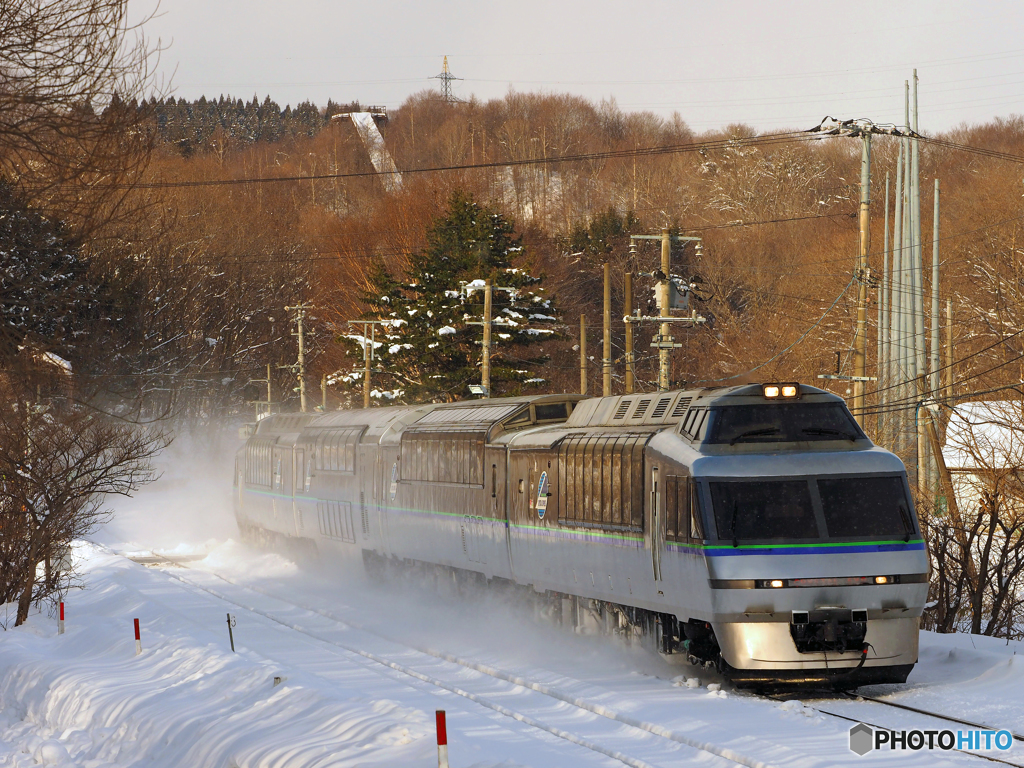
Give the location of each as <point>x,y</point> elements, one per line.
<point>755,528</point>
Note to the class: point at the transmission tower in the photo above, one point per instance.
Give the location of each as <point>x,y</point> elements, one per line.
<point>446,78</point>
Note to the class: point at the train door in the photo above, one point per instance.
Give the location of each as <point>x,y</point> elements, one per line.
<point>298,488</point>
<point>657,536</point>
<point>389,486</point>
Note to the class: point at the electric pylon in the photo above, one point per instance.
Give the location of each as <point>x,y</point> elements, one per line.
<point>446,78</point>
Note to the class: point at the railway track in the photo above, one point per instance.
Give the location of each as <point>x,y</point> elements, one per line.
<point>554,694</point>
<point>933,715</point>
<point>487,701</point>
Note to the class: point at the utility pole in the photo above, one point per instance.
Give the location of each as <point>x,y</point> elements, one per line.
<point>323,392</point>
<point>628,310</point>
<point>664,334</point>
<point>606,361</point>
<point>487,322</point>
<point>485,367</point>
<point>269,403</point>
<point>864,129</point>
<point>300,366</point>
<point>949,352</point>
<point>369,344</point>
<point>883,319</point>
<point>583,354</point>
<point>860,356</point>
<point>664,291</point>
<point>935,365</point>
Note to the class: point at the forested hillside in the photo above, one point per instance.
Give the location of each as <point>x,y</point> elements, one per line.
<point>225,244</point>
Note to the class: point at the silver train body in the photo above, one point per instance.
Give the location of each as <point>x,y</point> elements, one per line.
<point>765,535</point>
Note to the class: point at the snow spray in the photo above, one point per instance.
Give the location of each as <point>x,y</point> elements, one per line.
<point>442,740</point>
<point>138,639</point>
<point>60,621</point>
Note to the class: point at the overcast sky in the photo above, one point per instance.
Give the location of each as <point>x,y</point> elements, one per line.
<point>781,64</point>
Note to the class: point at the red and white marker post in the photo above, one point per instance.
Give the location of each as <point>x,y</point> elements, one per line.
<point>60,621</point>
<point>138,639</point>
<point>442,740</point>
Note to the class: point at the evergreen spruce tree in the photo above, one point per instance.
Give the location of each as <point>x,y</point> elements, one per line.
<point>429,351</point>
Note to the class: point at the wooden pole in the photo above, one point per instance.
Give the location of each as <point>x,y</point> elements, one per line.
<point>485,368</point>
<point>583,354</point>
<point>606,361</point>
<point>628,310</point>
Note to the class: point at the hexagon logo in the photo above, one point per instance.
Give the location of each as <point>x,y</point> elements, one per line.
<point>862,739</point>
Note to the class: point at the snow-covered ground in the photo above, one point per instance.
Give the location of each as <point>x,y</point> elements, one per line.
<point>332,670</point>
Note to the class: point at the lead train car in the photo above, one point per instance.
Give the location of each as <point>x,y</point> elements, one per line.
<point>761,533</point>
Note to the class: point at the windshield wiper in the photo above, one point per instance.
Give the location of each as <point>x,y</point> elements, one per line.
<point>824,431</point>
<point>908,525</point>
<point>754,433</point>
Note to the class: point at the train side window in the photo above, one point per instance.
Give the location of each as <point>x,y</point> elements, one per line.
<point>494,481</point>
<point>521,485</point>
<point>277,473</point>
<point>678,507</point>
<point>696,530</point>
<point>672,484</point>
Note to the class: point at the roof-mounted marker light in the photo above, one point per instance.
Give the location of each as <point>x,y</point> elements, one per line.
<point>776,391</point>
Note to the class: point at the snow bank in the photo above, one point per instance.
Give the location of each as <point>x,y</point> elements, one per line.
<point>85,699</point>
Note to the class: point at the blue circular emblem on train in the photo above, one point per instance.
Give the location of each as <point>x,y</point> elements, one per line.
<point>542,495</point>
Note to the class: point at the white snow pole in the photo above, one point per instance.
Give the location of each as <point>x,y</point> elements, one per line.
<point>60,621</point>
<point>138,639</point>
<point>442,740</point>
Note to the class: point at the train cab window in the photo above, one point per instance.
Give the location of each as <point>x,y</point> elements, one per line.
<point>765,509</point>
<point>694,421</point>
<point>782,423</point>
<point>865,506</point>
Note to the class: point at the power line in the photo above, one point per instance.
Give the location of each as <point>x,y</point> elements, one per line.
<point>760,140</point>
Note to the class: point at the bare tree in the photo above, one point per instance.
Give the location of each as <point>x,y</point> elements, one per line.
<point>70,133</point>
<point>978,554</point>
<point>57,466</point>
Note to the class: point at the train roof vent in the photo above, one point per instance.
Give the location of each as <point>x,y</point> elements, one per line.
<point>623,407</point>
<point>661,407</point>
<point>641,408</point>
<point>681,406</point>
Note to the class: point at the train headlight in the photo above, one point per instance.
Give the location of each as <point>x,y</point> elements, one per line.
<point>776,583</point>
<point>783,391</point>
<point>881,579</point>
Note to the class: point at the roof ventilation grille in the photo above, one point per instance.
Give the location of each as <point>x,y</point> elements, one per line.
<point>641,408</point>
<point>661,407</point>
<point>681,406</point>
<point>623,407</point>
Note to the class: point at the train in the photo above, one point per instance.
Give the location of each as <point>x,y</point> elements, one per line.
<point>754,528</point>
